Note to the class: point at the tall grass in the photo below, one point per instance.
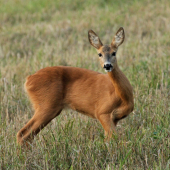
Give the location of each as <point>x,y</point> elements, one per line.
<point>35,34</point>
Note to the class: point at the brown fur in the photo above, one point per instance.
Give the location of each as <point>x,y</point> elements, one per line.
<point>106,97</point>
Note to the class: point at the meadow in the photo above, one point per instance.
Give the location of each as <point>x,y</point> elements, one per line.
<point>38,33</point>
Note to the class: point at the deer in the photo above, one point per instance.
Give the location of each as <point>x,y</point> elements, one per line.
<point>105,97</point>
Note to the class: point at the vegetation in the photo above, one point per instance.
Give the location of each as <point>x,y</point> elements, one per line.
<point>38,33</point>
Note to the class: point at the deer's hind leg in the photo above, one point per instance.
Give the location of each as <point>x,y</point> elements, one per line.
<point>40,119</point>
<point>47,102</point>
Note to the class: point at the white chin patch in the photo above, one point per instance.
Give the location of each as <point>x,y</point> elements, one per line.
<point>109,70</point>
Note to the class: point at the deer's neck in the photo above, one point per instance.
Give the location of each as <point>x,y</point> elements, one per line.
<point>121,84</point>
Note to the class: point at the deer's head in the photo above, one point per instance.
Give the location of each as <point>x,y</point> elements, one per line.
<point>107,53</point>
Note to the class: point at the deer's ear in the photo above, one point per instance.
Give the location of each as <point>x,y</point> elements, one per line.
<point>118,38</point>
<point>94,39</point>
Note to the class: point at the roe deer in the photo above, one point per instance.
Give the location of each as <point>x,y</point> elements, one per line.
<point>106,97</point>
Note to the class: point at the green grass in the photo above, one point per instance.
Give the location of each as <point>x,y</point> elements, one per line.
<point>39,33</point>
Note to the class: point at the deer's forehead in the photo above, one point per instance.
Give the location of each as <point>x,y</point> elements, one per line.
<point>106,48</point>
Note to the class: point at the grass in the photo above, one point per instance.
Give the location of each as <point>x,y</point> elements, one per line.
<point>35,34</point>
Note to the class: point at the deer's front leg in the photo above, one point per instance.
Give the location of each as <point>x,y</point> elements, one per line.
<point>108,125</point>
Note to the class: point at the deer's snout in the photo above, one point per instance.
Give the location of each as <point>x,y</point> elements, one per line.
<point>108,67</point>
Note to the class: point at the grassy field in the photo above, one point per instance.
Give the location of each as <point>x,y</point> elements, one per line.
<point>39,33</point>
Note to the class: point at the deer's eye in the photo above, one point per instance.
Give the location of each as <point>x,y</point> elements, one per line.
<point>100,54</point>
<point>114,54</point>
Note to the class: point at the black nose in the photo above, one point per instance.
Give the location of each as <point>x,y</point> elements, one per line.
<point>107,66</point>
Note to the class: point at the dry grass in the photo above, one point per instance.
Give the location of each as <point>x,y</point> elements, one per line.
<point>36,34</point>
